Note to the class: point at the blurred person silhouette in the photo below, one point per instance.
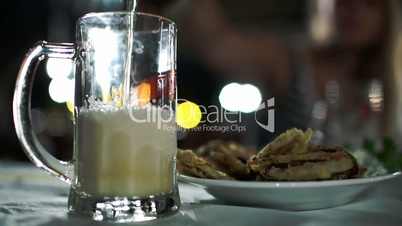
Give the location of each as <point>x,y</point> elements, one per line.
<point>346,87</point>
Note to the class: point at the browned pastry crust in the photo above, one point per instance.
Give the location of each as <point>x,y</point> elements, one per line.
<point>188,163</point>
<point>229,157</point>
<point>291,141</point>
<point>290,157</point>
<point>318,163</point>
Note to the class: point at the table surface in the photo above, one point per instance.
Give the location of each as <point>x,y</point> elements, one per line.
<point>29,197</point>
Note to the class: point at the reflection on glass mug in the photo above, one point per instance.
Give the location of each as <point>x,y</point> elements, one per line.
<point>123,167</point>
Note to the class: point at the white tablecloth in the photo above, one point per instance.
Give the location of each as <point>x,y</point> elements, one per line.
<point>29,197</point>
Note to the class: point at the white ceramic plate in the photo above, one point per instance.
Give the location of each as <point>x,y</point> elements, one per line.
<point>289,195</point>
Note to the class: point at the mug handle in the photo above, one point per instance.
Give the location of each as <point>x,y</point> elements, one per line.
<point>22,108</point>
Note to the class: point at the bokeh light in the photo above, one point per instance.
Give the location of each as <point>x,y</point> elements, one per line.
<point>59,68</point>
<point>240,97</point>
<point>144,93</point>
<point>188,115</point>
<point>70,106</point>
<point>61,89</point>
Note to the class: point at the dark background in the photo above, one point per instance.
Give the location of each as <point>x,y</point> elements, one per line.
<point>24,22</point>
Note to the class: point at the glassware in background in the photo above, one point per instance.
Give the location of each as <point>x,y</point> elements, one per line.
<point>359,105</point>
<point>321,22</point>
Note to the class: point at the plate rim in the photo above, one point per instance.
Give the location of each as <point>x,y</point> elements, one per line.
<point>286,184</point>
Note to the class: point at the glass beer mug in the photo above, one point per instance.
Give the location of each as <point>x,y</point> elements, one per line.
<point>123,166</point>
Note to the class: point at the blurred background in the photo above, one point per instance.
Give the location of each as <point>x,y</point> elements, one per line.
<point>332,65</point>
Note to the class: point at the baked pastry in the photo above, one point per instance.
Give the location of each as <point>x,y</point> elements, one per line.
<point>188,163</point>
<point>228,157</point>
<point>290,157</point>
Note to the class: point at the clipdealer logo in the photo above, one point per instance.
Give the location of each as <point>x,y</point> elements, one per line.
<point>215,118</point>
<point>268,107</point>
<point>210,118</point>
<point>202,118</point>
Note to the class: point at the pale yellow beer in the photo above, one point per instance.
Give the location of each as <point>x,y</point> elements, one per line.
<point>120,157</point>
